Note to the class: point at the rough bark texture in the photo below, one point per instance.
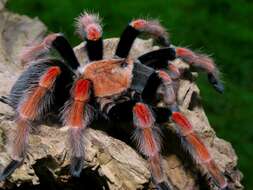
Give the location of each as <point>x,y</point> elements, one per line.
<point>110,163</point>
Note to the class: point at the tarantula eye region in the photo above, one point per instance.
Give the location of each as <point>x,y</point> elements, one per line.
<point>124,64</point>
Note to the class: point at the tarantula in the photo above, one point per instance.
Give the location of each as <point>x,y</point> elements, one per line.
<point>116,88</point>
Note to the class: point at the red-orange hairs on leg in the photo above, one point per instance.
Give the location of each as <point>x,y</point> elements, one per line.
<point>76,116</point>
<point>147,136</point>
<point>35,101</point>
<point>203,62</point>
<point>153,28</point>
<point>197,149</point>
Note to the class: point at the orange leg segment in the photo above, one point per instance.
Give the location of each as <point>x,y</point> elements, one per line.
<point>76,117</point>
<point>148,140</point>
<point>30,109</point>
<point>184,128</point>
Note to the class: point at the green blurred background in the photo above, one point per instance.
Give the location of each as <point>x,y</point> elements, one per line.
<point>222,28</point>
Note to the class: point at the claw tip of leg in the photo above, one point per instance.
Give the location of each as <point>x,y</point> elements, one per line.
<point>216,83</point>
<point>10,168</point>
<point>163,186</point>
<point>2,178</point>
<point>75,173</point>
<point>76,166</point>
<point>219,87</point>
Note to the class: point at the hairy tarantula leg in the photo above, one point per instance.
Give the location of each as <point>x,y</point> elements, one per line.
<point>19,146</point>
<point>166,90</point>
<point>136,27</point>
<point>89,28</point>
<point>174,72</point>
<point>30,109</point>
<point>76,116</point>
<point>158,59</point>
<point>147,136</point>
<point>185,131</point>
<point>203,62</point>
<point>197,148</point>
<point>56,41</point>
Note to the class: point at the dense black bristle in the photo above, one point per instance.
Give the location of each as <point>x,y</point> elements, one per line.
<point>150,89</point>
<point>159,58</point>
<point>141,76</point>
<point>121,111</point>
<point>162,114</point>
<point>95,49</point>
<point>30,77</point>
<point>126,41</point>
<point>66,51</point>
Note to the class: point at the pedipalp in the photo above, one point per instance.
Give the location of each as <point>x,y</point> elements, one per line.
<point>90,30</point>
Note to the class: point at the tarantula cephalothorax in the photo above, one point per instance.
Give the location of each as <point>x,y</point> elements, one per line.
<point>119,87</point>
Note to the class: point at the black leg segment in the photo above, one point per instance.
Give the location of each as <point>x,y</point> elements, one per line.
<point>159,58</point>
<point>95,49</point>
<point>126,41</point>
<point>66,51</point>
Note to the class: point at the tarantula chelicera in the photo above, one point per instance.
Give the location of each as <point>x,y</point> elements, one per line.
<point>116,88</point>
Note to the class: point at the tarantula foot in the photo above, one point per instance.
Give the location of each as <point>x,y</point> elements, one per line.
<point>163,186</point>
<point>4,100</point>
<point>76,166</point>
<point>218,86</point>
<point>228,187</point>
<point>12,166</point>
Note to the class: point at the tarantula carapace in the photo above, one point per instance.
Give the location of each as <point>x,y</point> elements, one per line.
<point>116,88</point>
